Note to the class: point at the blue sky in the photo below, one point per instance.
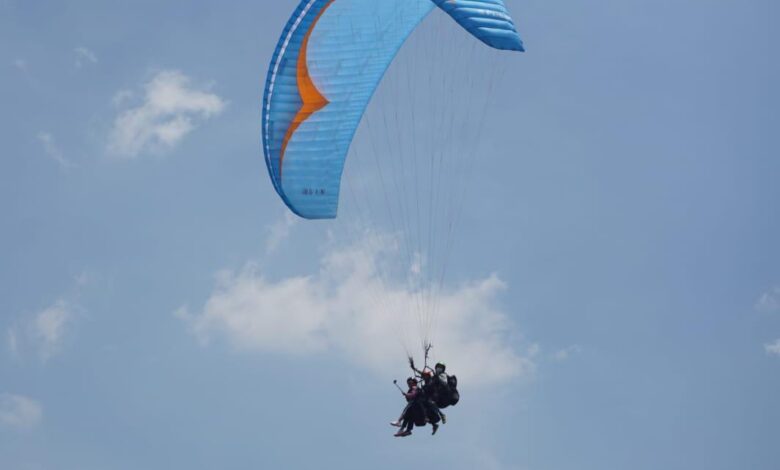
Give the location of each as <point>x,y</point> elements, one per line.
<point>628,252</point>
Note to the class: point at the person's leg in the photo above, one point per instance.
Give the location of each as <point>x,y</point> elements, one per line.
<point>436,411</point>
<point>399,421</point>
<point>407,422</point>
<point>406,428</point>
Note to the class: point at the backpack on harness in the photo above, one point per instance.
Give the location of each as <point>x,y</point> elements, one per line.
<point>454,395</point>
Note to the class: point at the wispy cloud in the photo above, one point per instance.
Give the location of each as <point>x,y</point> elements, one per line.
<point>566,353</point>
<point>347,308</point>
<point>171,109</point>
<point>773,348</point>
<point>12,341</point>
<point>769,301</point>
<point>43,332</point>
<point>122,98</point>
<point>52,150</point>
<point>19,412</point>
<point>84,57</point>
<point>279,231</point>
<point>50,326</point>
<point>84,278</point>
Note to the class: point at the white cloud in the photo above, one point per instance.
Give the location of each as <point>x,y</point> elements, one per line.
<point>52,150</point>
<point>279,231</point>
<point>19,412</point>
<point>43,332</point>
<point>345,307</point>
<point>50,324</point>
<point>773,348</point>
<point>171,109</point>
<point>565,353</point>
<point>84,56</point>
<point>769,301</point>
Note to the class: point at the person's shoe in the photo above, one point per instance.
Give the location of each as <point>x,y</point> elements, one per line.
<point>396,424</point>
<point>402,433</point>
<point>435,428</point>
<point>443,418</point>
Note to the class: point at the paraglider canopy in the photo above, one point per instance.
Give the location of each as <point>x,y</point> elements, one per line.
<point>326,67</point>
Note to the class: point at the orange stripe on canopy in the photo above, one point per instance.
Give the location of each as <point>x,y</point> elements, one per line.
<point>313,100</point>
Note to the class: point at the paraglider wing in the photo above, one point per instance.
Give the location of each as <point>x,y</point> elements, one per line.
<point>330,58</point>
<point>488,20</point>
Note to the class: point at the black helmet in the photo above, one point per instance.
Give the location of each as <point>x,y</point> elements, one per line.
<point>441,365</point>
